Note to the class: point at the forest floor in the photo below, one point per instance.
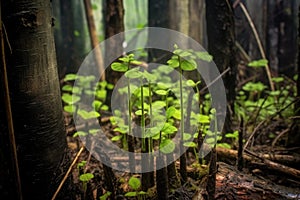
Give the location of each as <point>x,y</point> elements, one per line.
<point>272,172</point>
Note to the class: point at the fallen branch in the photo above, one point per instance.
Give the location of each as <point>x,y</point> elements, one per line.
<point>232,155</point>
<point>233,184</point>
<point>276,166</point>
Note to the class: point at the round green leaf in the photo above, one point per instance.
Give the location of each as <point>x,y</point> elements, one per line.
<point>188,65</point>
<point>167,146</point>
<point>161,92</point>
<point>134,73</point>
<point>79,133</point>
<point>184,53</point>
<point>204,119</point>
<point>186,136</point>
<point>69,108</point>
<point>165,69</point>
<point>110,86</point>
<point>86,177</point>
<point>168,128</point>
<point>170,112</point>
<point>134,183</point>
<point>277,79</point>
<point>88,115</point>
<point>224,145</point>
<point>173,63</point>
<point>67,88</point>
<point>70,99</point>
<point>158,105</point>
<point>191,83</point>
<point>122,130</point>
<point>150,77</point>
<point>70,77</point>
<point>190,144</point>
<point>203,55</point>
<point>97,104</point>
<point>119,67</point>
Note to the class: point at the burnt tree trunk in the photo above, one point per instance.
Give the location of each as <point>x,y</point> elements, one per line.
<point>158,16</point>
<point>294,135</point>
<point>221,45</point>
<point>114,24</point>
<point>35,96</point>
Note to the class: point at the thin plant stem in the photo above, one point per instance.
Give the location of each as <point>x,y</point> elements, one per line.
<point>143,118</point>
<point>182,153</point>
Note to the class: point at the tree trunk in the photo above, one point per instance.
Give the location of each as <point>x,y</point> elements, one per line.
<point>221,45</point>
<point>94,38</point>
<point>287,34</point>
<point>64,57</point>
<point>158,17</point>
<point>35,96</point>
<point>114,24</point>
<point>69,34</point>
<point>294,134</point>
<point>197,21</point>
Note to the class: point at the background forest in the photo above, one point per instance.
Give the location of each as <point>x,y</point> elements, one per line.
<point>51,146</point>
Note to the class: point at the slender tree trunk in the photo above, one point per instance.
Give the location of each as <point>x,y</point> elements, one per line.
<point>158,17</point>
<point>221,42</point>
<point>197,21</point>
<point>94,38</point>
<point>221,45</point>
<point>294,135</point>
<point>114,24</point>
<point>35,96</point>
<point>179,15</point>
<point>64,57</point>
<point>69,34</point>
<point>286,30</point>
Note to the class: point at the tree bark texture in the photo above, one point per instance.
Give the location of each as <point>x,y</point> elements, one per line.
<point>114,24</point>
<point>197,21</point>
<point>294,134</point>
<point>221,45</point>
<point>158,17</point>
<point>35,95</point>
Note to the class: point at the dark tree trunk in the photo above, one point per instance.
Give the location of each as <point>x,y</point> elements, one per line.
<point>287,34</point>
<point>294,135</point>
<point>114,24</point>
<point>161,179</point>
<point>69,35</point>
<point>64,57</point>
<point>158,16</point>
<point>35,96</point>
<point>221,45</point>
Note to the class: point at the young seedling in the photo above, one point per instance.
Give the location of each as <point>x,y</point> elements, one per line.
<point>85,178</point>
<point>185,61</point>
<point>135,185</point>
<point>105,196</point>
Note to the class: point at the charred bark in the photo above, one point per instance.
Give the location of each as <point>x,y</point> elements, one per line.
<point>221,45</point>
<point>35,96</point>
<point>114,24</point>
<point>294,135</point>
